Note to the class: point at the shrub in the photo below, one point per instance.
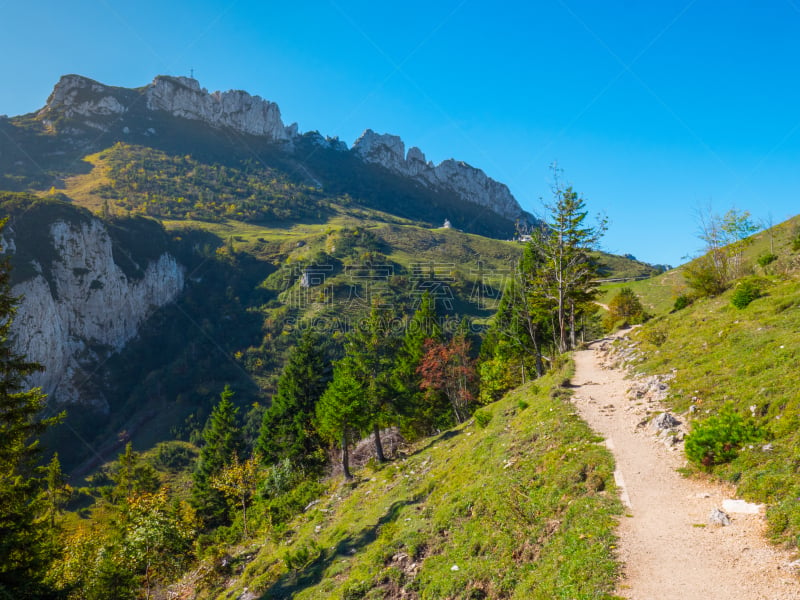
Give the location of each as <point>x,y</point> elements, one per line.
<point>718,439</point>
<point>299,558</point>
<point>704,277</point>
<point>796,242</point>
<point>767,259</point>
<point>625,306</point>
<point>174,456</point>
<point>482,417</point>
<point>655,334</point>
<point>682,302</point>
<point>746,291</point>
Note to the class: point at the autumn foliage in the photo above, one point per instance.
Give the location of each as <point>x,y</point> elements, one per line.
<point>447,368</point>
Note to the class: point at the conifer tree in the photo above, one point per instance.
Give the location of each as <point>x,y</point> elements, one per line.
<point>370,350</point>
<point>56,491</point>
<point>222,441</point>
<point>566,269</point>
<point>287,428</point>
<point>23,539</point>
<point>423,325</point>
<point>341,411</point>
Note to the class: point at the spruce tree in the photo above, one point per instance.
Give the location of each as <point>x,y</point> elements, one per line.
<point>566,269</point>
<point>23,536</point>
<point>370,350</point>
<point>222,440</point>
<point>418,414</point>
<point>341,411</point>
<point>287,428</point>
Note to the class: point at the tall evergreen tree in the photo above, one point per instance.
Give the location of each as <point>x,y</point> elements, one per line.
<point>23,536</point>
<point>287,428</point>
<point>370,350</point>
<point>423,325</point>
<point>222,440</point>
<point>341,411</point>
<point>566,268</point>
<point>524,315</point>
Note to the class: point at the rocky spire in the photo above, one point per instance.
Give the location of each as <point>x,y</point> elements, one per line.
<point>467,182</point>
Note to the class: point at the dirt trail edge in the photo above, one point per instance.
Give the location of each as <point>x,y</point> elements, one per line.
<point>668,548</point>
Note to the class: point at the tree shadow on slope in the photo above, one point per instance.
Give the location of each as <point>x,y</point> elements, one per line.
<point>297,580</point>
<point>447,435</point>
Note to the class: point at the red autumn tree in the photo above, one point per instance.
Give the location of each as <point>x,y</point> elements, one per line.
<point>447,368</point>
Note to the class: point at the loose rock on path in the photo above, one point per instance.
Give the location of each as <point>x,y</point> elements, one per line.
<point>668,546</point>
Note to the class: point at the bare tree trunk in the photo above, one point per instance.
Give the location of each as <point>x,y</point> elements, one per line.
<point>376,435</point>
<point>572,324</point>
<point>537,354</point>
<point>345,457</point>
<point>244,516</point>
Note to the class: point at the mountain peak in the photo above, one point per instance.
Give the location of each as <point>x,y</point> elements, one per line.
<point>467,182</point>
<point>75,96</point>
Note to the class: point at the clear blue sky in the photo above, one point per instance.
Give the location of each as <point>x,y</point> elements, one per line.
<point>653,109</point>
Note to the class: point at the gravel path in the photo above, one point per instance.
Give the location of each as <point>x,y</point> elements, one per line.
<point>667,545</point>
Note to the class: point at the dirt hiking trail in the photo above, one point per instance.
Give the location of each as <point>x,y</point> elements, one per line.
<point>668,547</point>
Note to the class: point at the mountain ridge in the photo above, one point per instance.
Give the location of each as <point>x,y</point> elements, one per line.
<point>103,108</point>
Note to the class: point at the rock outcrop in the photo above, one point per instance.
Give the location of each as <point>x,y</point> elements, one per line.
<point>183,97</point>
<point>467,182</point>
<point>75,96</point>
<point>83,307</point>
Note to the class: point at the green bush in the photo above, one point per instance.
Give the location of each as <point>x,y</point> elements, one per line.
<point>625,307</point>
<point>767,259</point>
<point>655,334</point>
<point>482,417</point>
<point>299,558</point>
<point>174,456</point>
<point>703,276</point>
<point>682,302</point>
<point>718,439</point>
<point>746,291</point>
<point>796,242</point>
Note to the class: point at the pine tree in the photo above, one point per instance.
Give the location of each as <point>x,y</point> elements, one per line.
<point>370,350</point>
<point>56,491</point>
<point>23,536</point>
<point>222,441</point>
<point>566,269</point>
<point>423,325</point>
<point>287,428</point>
<point>524,316</point>
<point>341,411</point>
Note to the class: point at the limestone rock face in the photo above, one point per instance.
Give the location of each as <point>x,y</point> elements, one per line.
<point>183,97</point>
<point>87,309</point>
<point>75,96</point>
<point>467,182</point>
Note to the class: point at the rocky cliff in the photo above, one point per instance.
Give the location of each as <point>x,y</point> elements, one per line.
<point>82,306</point>
<point>77,97</point>
<point>467,182</point>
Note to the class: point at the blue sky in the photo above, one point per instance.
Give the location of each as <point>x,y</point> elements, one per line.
<point>653,109</point>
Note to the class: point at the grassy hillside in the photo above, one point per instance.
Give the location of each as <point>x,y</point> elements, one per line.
<point>747,359</point>
<point>659,293</point>
<point>524,507</point>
